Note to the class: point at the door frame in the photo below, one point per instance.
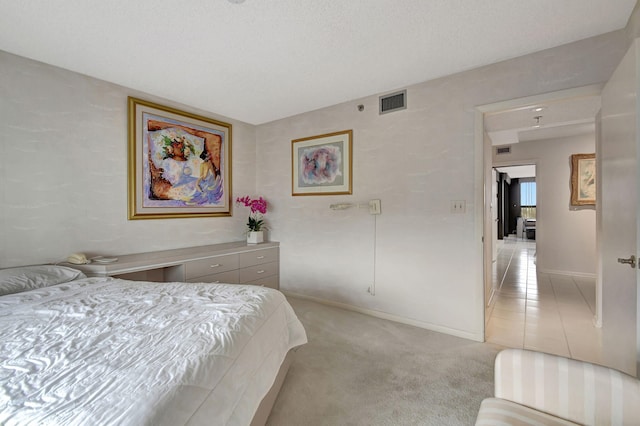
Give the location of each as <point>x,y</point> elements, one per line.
<point>483,163</point>
<point>489,263</point>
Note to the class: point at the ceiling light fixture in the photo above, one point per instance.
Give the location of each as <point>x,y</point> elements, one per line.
<point>537,109</point>
<point>537,118</point>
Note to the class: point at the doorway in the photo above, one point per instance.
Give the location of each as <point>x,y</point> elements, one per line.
<point>513,212</point>
<point>516,201</point>
<point>536,298</point>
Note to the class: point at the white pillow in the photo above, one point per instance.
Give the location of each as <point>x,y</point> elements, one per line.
<point>16,280</point>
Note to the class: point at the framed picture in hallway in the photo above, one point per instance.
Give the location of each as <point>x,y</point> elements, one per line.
<point>583,179</point>
<point>321,165</point>
<point>179,163</point>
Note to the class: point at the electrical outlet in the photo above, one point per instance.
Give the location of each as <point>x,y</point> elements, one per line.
<point>458,206</point>
<point>374,207</point>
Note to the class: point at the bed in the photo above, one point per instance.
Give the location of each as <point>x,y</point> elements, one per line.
<point>77,350</point>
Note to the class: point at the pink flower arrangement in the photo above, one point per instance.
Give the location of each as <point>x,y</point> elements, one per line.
<point>258,207</point>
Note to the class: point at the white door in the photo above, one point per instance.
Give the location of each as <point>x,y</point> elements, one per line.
<point>618,201</point>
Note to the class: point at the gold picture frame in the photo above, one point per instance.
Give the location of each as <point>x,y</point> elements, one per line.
<point>322,164</point>
<point>179,163</point>
<point>583,179</point>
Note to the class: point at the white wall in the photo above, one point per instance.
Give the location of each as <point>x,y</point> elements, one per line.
<point>428,263</point>
<point>63,170</point>
<point>565,235</point>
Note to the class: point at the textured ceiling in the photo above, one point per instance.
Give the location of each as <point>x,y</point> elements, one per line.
<point>263,60</point>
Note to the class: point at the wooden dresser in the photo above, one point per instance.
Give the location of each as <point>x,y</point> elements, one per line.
<point>234,263</point>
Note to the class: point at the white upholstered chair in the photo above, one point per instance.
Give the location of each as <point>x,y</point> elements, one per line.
<point>534,388</point>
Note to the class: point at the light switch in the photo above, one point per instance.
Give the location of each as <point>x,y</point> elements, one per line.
<point>375,207</point>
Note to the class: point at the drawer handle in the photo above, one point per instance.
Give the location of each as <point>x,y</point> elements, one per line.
<point>260,271</point>
<point>260,257</point>
<point>215,266</point>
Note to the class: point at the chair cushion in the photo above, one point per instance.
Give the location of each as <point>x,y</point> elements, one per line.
<point>570,389</point>
<point>496,411</point>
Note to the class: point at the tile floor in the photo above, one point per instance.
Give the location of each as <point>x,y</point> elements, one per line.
<point>544,312</point>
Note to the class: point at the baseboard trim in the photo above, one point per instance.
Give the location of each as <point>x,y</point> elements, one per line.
<point>567,273</point>
<point>383,315</point>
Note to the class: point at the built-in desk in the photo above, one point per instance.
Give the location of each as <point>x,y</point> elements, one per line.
<point>234,263</point>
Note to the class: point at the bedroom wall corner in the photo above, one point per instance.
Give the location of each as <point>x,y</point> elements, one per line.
<point>64,170</point>
<point>426,260</point>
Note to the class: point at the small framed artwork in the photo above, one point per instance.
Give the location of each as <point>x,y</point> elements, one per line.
<point>179,163</point>
<point>322,165</point>
<point>583,179</point>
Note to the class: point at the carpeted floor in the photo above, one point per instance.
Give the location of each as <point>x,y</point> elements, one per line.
<point>361,370</point>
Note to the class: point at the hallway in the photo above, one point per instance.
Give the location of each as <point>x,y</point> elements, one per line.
<point>544,312</point>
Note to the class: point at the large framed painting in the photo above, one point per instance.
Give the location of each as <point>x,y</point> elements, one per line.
<point>583,179</point>
<point>321,165</point>
<point>179,163</point>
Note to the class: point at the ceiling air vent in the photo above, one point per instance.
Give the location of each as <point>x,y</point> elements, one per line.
<point>500,150</point>
<point>393,102</point>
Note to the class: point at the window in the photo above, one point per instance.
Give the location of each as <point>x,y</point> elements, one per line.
<point>528,200</point>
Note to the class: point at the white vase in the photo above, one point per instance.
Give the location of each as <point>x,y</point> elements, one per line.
<point>255,237</point>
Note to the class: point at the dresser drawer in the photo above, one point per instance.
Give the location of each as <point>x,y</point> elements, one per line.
<point>210,265</point>
<point>253,273</point>
<point>258,257</point>
<point>229,277</point>
<point>272,282</point>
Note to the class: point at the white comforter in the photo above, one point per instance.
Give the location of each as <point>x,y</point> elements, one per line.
<point>102,351</point>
